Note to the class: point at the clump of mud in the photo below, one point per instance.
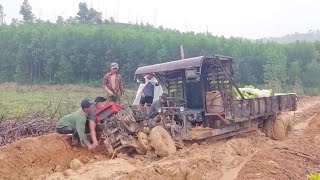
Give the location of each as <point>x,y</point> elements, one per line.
<point>32,157</point>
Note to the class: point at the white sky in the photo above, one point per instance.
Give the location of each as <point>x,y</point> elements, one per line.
<point>241,18</point>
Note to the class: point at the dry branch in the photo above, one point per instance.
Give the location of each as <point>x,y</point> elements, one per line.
<point>298,153</point>
<point>11,131</point>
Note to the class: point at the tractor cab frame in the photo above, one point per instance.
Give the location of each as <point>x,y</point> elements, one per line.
<point>202,93</point>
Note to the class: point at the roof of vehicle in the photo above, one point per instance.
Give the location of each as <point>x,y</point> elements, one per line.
<point>177,65</point>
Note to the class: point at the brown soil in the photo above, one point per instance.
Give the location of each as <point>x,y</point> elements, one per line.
<point>292,160</point>
<point>253,154</point>
<point>196,161</point>
<point>31,157</point>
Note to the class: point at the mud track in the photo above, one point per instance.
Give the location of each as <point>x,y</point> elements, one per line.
<point>254,155</point>
<point>292,160</point>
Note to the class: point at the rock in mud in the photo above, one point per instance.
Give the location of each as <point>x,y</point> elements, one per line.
<point>195,145</point>
<point>58,168</point>
<point>75,164</point>
<point>69,172</point>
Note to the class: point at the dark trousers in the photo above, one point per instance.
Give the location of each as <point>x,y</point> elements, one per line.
<point>68,130</point>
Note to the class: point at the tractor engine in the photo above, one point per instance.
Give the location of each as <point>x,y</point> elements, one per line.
<point>120,128</point>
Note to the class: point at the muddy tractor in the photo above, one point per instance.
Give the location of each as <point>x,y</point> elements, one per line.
<point>203,102</point>
<point>120,130</point>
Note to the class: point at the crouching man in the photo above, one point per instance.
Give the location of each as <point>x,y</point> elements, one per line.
<point>164,119</point>
<point>75,123</point>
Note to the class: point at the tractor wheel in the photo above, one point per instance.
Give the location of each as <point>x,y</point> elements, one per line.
<point>268,126</point>
<point>143,141</point>
<point>142,144</point>
<point>281,128</point>
<point>162,142</point>
<point>277,128</point>
<point>127,121</point>
<point>109,147</point>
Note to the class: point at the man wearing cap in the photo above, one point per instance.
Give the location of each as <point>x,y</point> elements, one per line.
<point>154,117</point>
<point>161,102</point>
<point>113,83</point>
<point>75,123</point>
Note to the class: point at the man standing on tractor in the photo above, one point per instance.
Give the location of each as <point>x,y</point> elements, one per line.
<point>113,83</point>
<point>149,91</point>
<point>75,123</point>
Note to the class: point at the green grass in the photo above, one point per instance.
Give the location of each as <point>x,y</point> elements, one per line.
<point>314,176</point>
<point>54,101</point>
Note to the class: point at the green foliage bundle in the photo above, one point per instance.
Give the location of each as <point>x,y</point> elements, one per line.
<point>314,176</point>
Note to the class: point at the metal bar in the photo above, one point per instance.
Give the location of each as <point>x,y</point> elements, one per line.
<point>178,108</point>
<point>229,78</point>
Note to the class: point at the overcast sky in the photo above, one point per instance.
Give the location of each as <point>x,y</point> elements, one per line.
<point>241,18</point>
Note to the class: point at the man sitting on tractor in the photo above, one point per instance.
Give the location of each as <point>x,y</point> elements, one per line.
<point>75,123</point>
<point>161,102</point>
<point>166,119</point>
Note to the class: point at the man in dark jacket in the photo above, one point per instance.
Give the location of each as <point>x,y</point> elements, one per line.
<point>162,102</point>
<point>167,120</point>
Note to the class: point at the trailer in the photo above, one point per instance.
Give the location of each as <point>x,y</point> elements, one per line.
<point>203,104</point>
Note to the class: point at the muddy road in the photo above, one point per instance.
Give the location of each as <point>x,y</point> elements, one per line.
<point>247,156</point>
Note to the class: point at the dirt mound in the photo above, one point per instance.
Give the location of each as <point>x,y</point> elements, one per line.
<point>97,170</point>
<point>293,160</point>
<point>31,157</point>
<point>199,161</point>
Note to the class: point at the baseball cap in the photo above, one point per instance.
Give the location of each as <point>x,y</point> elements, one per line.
<point>114,65</point>
<point>86,104</point>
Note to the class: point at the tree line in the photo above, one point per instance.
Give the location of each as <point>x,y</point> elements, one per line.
<point>79,49</point>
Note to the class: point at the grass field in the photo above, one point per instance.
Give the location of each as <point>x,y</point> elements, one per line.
<point>49,100</point>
